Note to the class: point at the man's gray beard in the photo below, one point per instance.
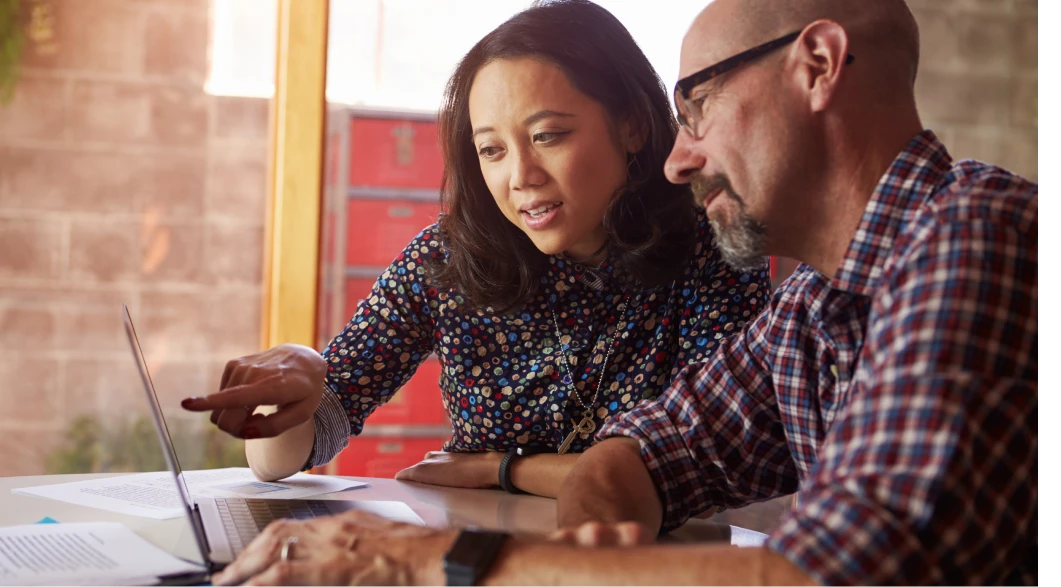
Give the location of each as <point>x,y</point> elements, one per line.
<point>741,242</point>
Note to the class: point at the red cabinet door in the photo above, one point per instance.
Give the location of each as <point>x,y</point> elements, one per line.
<point>384,457</point>
<point>394,153</point>
<point>378,230</point>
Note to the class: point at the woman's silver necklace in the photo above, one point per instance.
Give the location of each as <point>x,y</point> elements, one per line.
<point>587,423</point>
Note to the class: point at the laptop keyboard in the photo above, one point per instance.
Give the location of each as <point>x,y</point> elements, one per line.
<point>246,518</point>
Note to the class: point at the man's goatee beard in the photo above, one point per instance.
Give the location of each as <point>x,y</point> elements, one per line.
<point>741,242</point>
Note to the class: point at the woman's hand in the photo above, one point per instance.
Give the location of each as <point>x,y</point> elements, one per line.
<point>352,548</point>
<point>453,469</point>
<point>289,376</point>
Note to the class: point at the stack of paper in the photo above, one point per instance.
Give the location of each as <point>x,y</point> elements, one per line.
<point>103,553</point>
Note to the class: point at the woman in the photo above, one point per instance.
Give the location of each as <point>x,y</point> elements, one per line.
<point>566,281</point>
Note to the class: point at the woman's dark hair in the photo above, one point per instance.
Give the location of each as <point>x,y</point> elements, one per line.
<point>651,224</point>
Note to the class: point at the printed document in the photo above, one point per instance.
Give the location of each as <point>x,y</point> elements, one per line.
<point>105,553</point>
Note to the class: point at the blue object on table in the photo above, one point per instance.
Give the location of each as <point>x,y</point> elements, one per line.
<point>47,520</point>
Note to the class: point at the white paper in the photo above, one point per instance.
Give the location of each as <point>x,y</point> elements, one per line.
<point>104,553</point>
<point>154,495</point>
<point>115,494</point>
<point>395,511</point>
<point>241,482</point>
<point>744,537</point>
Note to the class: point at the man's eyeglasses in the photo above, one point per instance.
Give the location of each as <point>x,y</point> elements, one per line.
<point>690,112</point>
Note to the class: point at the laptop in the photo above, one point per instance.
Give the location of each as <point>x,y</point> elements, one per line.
<point>222,527</point>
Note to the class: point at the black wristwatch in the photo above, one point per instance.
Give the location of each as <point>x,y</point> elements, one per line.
<point>472,555</point>
<point>504,473</point>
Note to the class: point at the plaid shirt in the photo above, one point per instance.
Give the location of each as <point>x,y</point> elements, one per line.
<point>900,397</point>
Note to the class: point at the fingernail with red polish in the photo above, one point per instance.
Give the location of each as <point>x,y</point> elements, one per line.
<point>251,433</point>
<point>189,401</point>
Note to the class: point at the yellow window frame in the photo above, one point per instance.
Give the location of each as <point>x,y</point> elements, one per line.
<point>296,155</point>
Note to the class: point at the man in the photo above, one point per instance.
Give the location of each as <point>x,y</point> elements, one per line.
<point>892,382</point>
<point>893,379</point>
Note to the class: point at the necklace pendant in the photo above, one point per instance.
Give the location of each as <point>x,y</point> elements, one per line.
<point>584,426</point>
<point>566,444</point>
<point>587,425</point>
<point>567,379</point>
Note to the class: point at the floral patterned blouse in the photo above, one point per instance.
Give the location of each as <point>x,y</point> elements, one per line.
<point>505,378</point>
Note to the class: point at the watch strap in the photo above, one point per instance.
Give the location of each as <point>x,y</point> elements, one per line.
<point>471,555</point>
<point>504,472</point>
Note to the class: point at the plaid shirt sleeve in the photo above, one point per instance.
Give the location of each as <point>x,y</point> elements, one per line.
<point>714,438</point>
<point>930,474</point>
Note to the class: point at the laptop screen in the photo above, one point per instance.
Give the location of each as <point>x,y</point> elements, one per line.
<point>163,431</point>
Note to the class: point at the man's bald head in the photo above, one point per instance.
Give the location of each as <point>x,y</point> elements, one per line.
<point>881,32</point>
<point>798,138</point>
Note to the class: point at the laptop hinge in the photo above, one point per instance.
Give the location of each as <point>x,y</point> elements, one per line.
<point>200,528</point>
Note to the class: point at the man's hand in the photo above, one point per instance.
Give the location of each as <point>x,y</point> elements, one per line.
<point>597,534</point>
<point>609,484</point>
<point>452,469</point>
<point>352,548</point>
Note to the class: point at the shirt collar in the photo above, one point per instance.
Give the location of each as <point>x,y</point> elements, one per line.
<point>912,177</point>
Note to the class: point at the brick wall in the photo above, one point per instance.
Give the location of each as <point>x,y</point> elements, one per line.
<point>122,181</point>
<point>978,81</point>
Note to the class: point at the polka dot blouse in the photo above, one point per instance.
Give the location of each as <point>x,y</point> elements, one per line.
<point>508,380</point>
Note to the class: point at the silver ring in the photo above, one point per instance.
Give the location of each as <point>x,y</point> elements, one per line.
<point>285,552</point>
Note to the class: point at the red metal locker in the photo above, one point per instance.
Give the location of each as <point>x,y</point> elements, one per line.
<point>383,176</point>
<point>379,229</point>
<point>384,457</point>
<point>394,153</point>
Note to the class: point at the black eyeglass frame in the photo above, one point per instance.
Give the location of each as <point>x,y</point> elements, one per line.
<point>686,84</point>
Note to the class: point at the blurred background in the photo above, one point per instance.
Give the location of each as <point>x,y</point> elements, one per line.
<point>134,152</point>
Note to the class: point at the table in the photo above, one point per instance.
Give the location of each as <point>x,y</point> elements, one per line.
<point>436,506</point>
